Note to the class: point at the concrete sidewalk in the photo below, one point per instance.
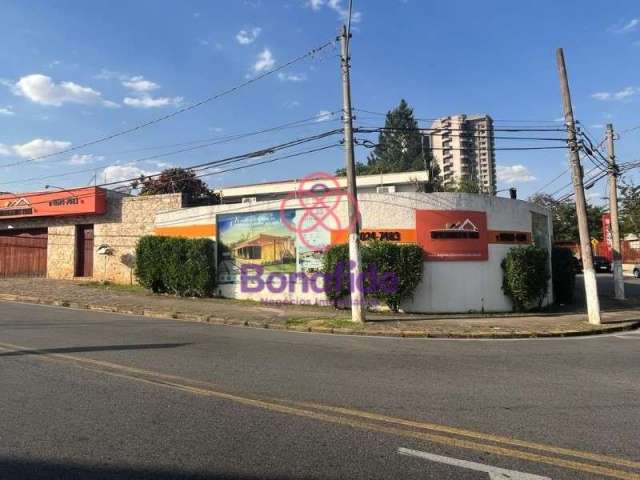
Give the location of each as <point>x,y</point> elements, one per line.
<point>134,300</point>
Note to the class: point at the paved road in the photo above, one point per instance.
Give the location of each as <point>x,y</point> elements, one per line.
<point>95,395</point>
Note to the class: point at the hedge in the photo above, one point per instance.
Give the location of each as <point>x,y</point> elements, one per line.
<point>525,276</point>
<point>392,272</point>
<point>180,266</point>
<point>564,275</point>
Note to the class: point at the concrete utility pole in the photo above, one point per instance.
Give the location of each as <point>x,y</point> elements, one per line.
<point>590,283</point>
<point>357,295</point>
<point>614,226</point>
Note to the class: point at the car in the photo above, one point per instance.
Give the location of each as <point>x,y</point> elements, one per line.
<point>636,270</point>
<point>601,264</point>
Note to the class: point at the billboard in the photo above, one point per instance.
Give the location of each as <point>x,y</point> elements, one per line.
<point>452,235</point>
<point>267,239</point>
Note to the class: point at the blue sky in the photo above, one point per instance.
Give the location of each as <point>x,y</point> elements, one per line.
<point>74,71</point>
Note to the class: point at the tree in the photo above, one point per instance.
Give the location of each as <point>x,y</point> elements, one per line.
<point>400,149</point>
<point>565,219</point>
<point>630,209</point>
<point>464,185</point>
<point>178,180</point>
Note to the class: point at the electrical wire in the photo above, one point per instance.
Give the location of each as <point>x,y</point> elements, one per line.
<point>151,157</point>
<point>219,172</point>
<point>187,108</point>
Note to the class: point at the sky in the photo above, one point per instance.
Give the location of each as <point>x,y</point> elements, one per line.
<point>72,72</point>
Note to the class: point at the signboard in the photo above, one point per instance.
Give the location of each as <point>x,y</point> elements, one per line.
<point>399,235</point>
<point>263,239</point>
<point>452,235</point>
<point>77,201</point>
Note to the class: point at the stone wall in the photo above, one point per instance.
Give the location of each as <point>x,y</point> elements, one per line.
<point>126,220</point>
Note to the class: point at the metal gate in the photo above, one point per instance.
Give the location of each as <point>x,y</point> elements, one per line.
<point>23,253</point>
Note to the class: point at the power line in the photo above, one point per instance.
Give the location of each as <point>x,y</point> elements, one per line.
<point>192,106</point>
<point>254,154</point>
<point>446,130</point>
<point>552,181</point>
<point>493,119</point>
<point>161,155</point>
<point>463,134</point>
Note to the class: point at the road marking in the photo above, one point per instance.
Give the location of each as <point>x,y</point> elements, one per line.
<point>476,435</point>
<point>495,473</point>
<point>337,416</point>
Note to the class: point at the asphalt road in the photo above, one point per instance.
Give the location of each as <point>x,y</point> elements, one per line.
<point>100,396</point>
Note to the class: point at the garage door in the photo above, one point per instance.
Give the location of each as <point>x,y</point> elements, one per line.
<point>23,253</point>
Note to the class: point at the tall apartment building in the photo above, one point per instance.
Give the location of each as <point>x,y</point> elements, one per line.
<point>463,147</point>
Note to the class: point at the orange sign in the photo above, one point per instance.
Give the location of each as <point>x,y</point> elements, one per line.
<point>76,201</point>
<point>452,235</point>
<point>400,235</point>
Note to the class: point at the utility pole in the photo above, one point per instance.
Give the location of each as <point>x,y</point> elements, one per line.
<point>614,226</point>
<point>590,283</point>
<point>357,294</point>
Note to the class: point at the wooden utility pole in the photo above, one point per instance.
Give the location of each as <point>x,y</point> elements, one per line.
<point>357,293</point>
<point>614,225</point>
<point>590,283</point>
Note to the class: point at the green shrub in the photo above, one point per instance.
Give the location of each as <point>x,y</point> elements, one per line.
<point>564,275</point>
<point>180,266</point>
<point>398,267</point>
<point>336,260</point>
<point>526,276</point>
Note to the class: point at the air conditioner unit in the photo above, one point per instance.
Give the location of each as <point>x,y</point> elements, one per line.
<point>387,189</point>
<point>249,199</point>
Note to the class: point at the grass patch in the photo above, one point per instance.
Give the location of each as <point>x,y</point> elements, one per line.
<point>294,322</point>
<point>341,323</point>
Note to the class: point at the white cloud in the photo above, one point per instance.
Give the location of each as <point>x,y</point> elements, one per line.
<point>626,27</point>
<point>139,84</point>
<point>623,94</point>
<point>323,116</point>
<point>264,62</point>
<point>5,150</point>
<point>146,101</point>
<point>39,147</point>
<point>246,37</point>
<point>43,90</point>
<point>336,6</point>
<point>292,77</point>
<point>514,174</point>
<point>6,111</point>
<point>117,173</point>
<point>83,159</point>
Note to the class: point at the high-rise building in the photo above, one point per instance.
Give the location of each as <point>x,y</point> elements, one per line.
<point>463,148</point>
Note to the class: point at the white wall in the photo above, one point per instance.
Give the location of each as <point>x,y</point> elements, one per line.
<point>447,286</point>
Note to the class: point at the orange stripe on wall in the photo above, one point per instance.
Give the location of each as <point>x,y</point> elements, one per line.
<point>189,231</point>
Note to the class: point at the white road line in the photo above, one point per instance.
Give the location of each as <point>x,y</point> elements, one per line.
<point>495,473</point>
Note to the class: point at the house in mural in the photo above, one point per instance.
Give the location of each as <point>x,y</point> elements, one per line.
<point>265,249</point>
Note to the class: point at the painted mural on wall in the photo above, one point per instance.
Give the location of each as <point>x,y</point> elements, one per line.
<point>266,239</point>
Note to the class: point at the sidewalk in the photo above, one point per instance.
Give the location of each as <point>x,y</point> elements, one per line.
<point>618,316</point>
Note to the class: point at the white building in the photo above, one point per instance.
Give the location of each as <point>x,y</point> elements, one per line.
<point>464,237</point>
<point>463,147</point>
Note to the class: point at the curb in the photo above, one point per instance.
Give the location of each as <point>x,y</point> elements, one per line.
<point>264,324</point>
